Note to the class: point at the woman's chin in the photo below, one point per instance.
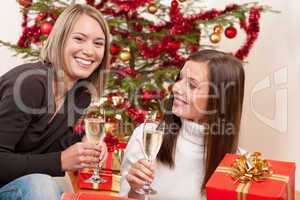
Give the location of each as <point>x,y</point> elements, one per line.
<point>179,111</point>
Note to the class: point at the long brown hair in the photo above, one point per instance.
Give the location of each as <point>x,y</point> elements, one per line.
<point>53,50</point>
<point>225,73</point>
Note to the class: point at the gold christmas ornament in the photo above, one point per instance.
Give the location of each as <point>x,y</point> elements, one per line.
<point>215,38</point>
<point>181,1</point>
<point>125,55</point>
<point>152,8</point>
<point>219,28</point>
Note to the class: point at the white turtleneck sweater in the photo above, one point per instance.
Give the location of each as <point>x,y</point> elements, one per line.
<point>185,179</point>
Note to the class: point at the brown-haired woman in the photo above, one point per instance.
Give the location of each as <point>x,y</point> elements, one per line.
<point>40,102</point>
<point>202,124</point>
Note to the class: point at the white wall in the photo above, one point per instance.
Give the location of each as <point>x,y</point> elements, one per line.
<point>10,21</point>
<point>277,48</point>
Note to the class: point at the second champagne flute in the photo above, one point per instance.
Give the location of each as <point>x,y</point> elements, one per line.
<point>152,140</point>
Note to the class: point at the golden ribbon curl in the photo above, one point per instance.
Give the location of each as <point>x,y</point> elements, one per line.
<point>251,166</point>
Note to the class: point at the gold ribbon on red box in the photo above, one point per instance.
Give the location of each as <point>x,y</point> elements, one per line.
<point>249,177</point>
<point>243,188</point>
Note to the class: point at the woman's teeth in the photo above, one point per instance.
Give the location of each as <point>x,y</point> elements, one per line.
<point>83,62</point>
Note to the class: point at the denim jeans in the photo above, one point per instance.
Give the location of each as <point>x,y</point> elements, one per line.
<point>31,187</point>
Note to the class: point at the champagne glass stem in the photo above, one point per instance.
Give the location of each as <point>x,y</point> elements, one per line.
<point>96,171</point>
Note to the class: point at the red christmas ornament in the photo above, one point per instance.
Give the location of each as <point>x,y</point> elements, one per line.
<point>25,3</point>
<point>41,16</point>
<point>115,49</point>
<point>230,32</point>
<point>46,28</point>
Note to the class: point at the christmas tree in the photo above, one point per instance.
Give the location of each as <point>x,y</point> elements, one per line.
<point>150,43</point>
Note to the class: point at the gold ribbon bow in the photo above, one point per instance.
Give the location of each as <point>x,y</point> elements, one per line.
<point>251,167</point>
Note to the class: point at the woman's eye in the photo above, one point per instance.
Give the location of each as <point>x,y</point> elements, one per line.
<point>79,39</point>
<point>100,44</point>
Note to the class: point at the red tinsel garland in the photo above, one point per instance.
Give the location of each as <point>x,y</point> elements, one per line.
<point>252,30</point>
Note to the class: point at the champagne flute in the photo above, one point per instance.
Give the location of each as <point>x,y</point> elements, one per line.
<point>152,139</point>
<point>95,133</point>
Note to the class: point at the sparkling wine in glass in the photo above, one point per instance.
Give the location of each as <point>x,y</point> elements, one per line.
<point>152,140</point>
<point>95,133</point>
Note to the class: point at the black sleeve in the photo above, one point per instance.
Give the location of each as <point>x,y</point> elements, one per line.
<point>13,125</point>
<point>69,139</point>
<point>82,101</point>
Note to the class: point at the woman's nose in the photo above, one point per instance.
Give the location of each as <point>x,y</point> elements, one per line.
<point>177,89</point>
<point>88,49</point>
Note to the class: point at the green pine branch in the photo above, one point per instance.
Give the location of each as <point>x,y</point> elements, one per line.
<point>25,53</point>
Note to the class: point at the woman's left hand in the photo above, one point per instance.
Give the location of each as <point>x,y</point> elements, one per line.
<point>102,149</point>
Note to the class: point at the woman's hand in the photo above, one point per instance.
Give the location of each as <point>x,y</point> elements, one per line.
<point>139,174</point>
<point>83,155</point>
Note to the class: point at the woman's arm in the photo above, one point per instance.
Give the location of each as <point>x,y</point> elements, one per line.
<point>13,124</point>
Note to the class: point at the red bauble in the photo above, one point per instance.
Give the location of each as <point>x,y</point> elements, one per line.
<point>115,49</point>
<point>230,32</point>
<point>46,28</point>
<point>41,16</point>
<point>25,3</point>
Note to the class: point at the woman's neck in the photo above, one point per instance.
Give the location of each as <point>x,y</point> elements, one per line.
<point>64,83</point>
<point>192,131</point>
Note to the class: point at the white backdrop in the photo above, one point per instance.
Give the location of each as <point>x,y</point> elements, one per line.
<point>270,120</point>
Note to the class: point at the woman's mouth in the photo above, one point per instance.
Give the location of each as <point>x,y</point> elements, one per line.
<point>179,101</point>
<point>83,62</point>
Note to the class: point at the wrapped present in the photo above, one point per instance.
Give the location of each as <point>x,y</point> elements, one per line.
<point>112,180</point>
<point>87,196</point>
<point>248,177</point>
<point>116,150</point>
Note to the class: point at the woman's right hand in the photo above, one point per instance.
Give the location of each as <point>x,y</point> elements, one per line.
<point>80,155</point>
<point>139,174</point>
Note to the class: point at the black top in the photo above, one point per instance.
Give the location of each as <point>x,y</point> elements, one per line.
<point>29,143</point>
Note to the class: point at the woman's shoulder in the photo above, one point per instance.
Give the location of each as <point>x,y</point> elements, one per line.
<point>31,73</point>
<point>27,68</point>
<point>28,80</point>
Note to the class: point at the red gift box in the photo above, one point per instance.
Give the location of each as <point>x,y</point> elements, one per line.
<point>85,196</point>
<point>112,180</point>
<point>115,153</point>
<point>279,186</point>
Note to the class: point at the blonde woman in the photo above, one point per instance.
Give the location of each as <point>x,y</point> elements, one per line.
<point>40,102</point>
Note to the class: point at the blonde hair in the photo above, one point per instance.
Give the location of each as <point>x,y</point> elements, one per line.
<point>53,50</point>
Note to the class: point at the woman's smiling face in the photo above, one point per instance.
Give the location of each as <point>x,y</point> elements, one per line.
<point>84,48</point>
<point>191,91</point>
